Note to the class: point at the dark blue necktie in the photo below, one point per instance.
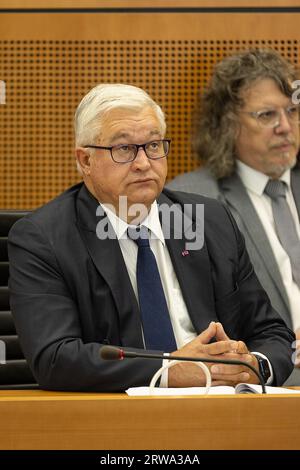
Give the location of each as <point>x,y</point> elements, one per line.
<point>157,327</point>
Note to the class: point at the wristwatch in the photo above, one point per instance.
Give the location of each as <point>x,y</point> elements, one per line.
<point>263,367</point>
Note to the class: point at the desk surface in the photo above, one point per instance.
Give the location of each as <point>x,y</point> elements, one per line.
<point>37,419</point>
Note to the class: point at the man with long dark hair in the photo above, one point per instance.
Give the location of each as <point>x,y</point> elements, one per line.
<point>247,134</point>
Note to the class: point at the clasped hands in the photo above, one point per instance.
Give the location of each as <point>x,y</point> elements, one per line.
<point>187,374</point>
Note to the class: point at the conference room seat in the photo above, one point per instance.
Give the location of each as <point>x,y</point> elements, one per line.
<point>14,370</point>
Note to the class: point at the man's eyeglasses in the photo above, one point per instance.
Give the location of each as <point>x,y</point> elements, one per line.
<point>270,118</point>
<point>125,153</point>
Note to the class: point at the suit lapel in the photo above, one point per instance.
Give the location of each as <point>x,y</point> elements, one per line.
<point>295,184</point>
<point>240,203</point>
<point>195,283</point>
<point>108,259</point>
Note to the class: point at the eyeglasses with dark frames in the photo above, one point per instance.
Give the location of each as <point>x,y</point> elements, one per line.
<point>126,153</point>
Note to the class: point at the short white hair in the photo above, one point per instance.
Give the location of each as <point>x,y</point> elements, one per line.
<point>103,98</point>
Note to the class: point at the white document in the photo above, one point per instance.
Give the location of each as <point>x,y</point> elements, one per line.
<point>219,390</point>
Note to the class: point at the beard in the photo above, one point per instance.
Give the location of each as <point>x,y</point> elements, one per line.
<point>287,161</point>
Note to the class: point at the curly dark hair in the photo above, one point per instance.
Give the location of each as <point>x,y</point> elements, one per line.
<point>215,120</point>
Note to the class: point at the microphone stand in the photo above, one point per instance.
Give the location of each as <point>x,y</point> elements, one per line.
<point>114,353</point>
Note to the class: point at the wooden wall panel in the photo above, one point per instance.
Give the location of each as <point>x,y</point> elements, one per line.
<point>49,61</point>
<point>28,4</point>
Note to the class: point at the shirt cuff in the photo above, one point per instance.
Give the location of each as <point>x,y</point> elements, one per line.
<point>271,378</point>
<point>164,375</point>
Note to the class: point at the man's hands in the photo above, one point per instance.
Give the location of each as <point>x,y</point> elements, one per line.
<point>188,374</point>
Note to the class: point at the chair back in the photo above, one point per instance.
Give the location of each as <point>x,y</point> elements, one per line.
<point>14,370</point>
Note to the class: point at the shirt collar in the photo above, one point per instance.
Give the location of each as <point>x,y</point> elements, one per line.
<point>256,181</point>
<point>152,222</point>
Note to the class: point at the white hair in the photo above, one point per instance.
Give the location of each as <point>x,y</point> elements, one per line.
<point>103,98</point>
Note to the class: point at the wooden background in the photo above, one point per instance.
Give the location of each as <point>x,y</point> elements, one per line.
<point>50,58</point>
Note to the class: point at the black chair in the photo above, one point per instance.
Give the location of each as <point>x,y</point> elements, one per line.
<point>14,372</point>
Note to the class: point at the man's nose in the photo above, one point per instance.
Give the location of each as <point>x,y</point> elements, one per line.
<point>141,159</point>
<point>284,124</point>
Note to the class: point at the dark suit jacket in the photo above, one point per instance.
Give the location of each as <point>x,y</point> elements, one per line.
<point>71,293</point>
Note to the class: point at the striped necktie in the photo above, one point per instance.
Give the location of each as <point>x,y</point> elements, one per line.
<point>285,225</point>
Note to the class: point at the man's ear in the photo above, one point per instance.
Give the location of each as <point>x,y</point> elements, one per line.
<point>83,160</point>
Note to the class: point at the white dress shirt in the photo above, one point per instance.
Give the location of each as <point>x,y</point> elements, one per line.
<point>183,328</point>
<point>255,182</point>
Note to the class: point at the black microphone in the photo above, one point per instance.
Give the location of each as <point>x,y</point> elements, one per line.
<point>113,353</point>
